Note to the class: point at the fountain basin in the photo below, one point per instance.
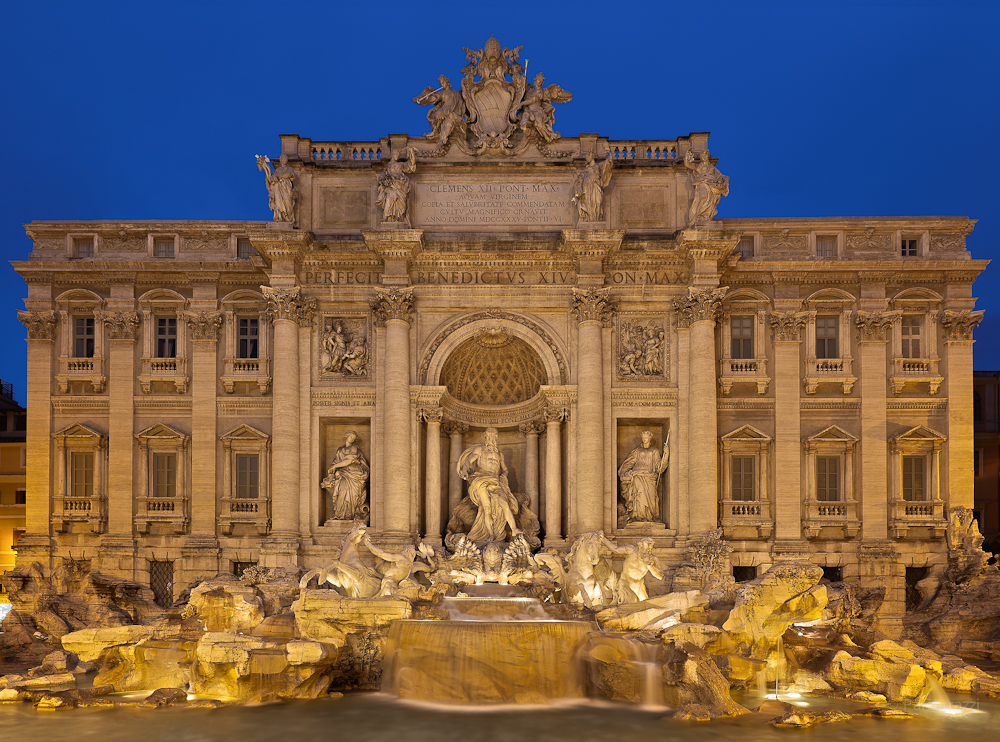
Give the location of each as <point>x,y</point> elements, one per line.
<point>483,662</point>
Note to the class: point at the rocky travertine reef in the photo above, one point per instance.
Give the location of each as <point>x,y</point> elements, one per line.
<point>274,636</point>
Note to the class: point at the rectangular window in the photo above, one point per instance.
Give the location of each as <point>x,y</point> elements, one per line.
<point>744,248</point>
<point>166,337</point>
<point>247,476</point>
<point>826,337</point>
<point>743,489</point>
<point>240,567</point>
<point>244,249</point>
<point>21,497</point>
<point>163,247</point>
<point>164,475</point>
<point>83,247</point>
<point>910,328</point>
<point>249,331</point>
<point>826,246</point>
<point>913,478</point>
<point>908,248</point>
<point>82,474</point>
<point>828,478</point>
<point>83,337</point>
<point>741,329</point>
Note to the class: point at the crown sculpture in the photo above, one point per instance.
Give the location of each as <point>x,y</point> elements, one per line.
<point>497,111</point>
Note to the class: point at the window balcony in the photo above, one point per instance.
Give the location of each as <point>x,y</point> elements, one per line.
<point>253,512</point>
<point>915,371</point>
<point>842,514</point>
<point>907,514</point>
<point>250,370</point>
<point>750,371</point>
<point>171,370</point>
<point>81,369</point>
<point>829,371</point>
<point>742,520</point>
<point>88,510</point>
<point>171,510</point>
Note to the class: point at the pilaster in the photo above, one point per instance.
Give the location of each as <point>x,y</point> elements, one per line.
<point>958,327</point>
<point>787,328</point>
<point>872,330</point>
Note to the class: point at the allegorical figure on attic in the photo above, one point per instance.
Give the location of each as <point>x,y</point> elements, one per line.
<point>280,184</point>
<point>448,113</point>
<point>709,187</point>
<point>588,188</point>
<point>537,112</point>
<point>394,186</point>
<point>640,480</point>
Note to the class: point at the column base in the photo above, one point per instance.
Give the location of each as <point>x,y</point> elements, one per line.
<point>555,542</point>
<point>792,550</point>
<point>199,561</point>
<point>433,541</point>
<point>35,547</point>
<point>280,551</point>
<point>394,540</point>
<point>118,556</point>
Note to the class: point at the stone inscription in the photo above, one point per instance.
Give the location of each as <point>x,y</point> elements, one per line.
<point>492,204</point>
<point>501,277</point>
<point>488,278</point>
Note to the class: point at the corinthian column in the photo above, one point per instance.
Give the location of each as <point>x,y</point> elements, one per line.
<point>553,475</point>
<point>593,310</point>
<point>699,311</point>
<point>530,430</point>
<point>432,473</point>
<point>393,309</point>
<point>287,309</point>
<point>454,430</point>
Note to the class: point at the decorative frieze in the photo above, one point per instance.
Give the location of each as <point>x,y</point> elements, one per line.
<point>947,242</point>
<point>345,351</point>
<point>872,326</point>
<point>869,240</point>
<point>632,397</point>
<point>593,306</point>
<point>204,243</point>
<point>40,325</point>
<point>959,325</point>
<point>121,325</point>
<point>785,241</point>
<point>123,241</point>
<point>787,325</point>
<point>392,304</point>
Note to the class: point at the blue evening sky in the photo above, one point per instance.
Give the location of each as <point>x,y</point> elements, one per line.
<point>155,110</point>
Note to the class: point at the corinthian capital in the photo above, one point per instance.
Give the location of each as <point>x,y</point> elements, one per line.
<point>41,325</point>
<point>593,306</point>
<point>289,304</point>
<point>959,325</point>
<point>121,325</point>
<point>392,304</point>
<point>700,305</point>
<point>872,326</point>
<point>204,325</point>
<point>786,325</point>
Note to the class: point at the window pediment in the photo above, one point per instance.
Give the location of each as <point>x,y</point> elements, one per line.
<point>160,432</point>
<point>833,434</point>
<point>245,433</point>
<point>748,434</point>
<point>920,434</point>
<point>78,432</point>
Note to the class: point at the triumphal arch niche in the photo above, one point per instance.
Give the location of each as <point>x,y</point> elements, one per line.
<point>492,338</point>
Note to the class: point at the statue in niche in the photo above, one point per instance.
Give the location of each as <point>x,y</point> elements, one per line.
<point>448,113</point>
<point>588,188</point>
<point>709,187</point>
<point>538,114</point>
<point>349,572</point>
<point>345,350</point>
<point>394,186</point>
<point>280,184</point>
<point>639,561</point>
<point>641,350</point>
<point>640,480</point>
<point>346,482</point>
<point>490,512</point>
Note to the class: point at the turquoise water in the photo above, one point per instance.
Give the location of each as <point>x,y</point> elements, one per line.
<point>373,717</point>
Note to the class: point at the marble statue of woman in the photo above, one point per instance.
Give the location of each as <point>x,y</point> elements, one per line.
<point>588,188</point>
<point>346,481</point>
<point>280,184</point>
<point>640,477</point>
<point>394,186</point>
<point>709,186</point>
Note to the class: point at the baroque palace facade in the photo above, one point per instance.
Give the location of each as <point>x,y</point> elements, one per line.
<point>193,386</point>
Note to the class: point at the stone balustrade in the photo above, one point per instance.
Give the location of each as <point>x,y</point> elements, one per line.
<point>926,514</point>
<point>742,520</point>
<point>842,514</point>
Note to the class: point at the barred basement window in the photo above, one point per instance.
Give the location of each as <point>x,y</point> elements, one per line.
<point>161,582</point>
<point>833,574</point>
<point>240,567</point>
<point>744,574</point>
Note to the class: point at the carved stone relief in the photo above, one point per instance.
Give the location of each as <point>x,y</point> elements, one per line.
<point>593,305</point>
<point>787,325</point>
<point>869,240</point>
<point>392,304</point>
<point>124,242</point>
<point>204,325</point>
<point>959,325</point>
<point>346,351</point>
<point>641,349</point>
<point>872,326</point>
<point>947,242</point>
<point>785,241</point>
<point>121,325</point>
<point>699,305</point>
<point>289,304</point>
<point>41,325</point>
<point>204,242</point>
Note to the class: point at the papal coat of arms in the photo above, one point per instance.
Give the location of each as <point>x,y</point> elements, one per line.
<point>497,111</point>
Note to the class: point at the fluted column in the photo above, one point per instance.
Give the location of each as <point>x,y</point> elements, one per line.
<point>393,309</point>
<point>432,475</point>
<point>553,475</point>
<point>530,430</point>
<point>592,310</point>
<point>699,310</point>
<point>286,308</point>
<point>454,430</point>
